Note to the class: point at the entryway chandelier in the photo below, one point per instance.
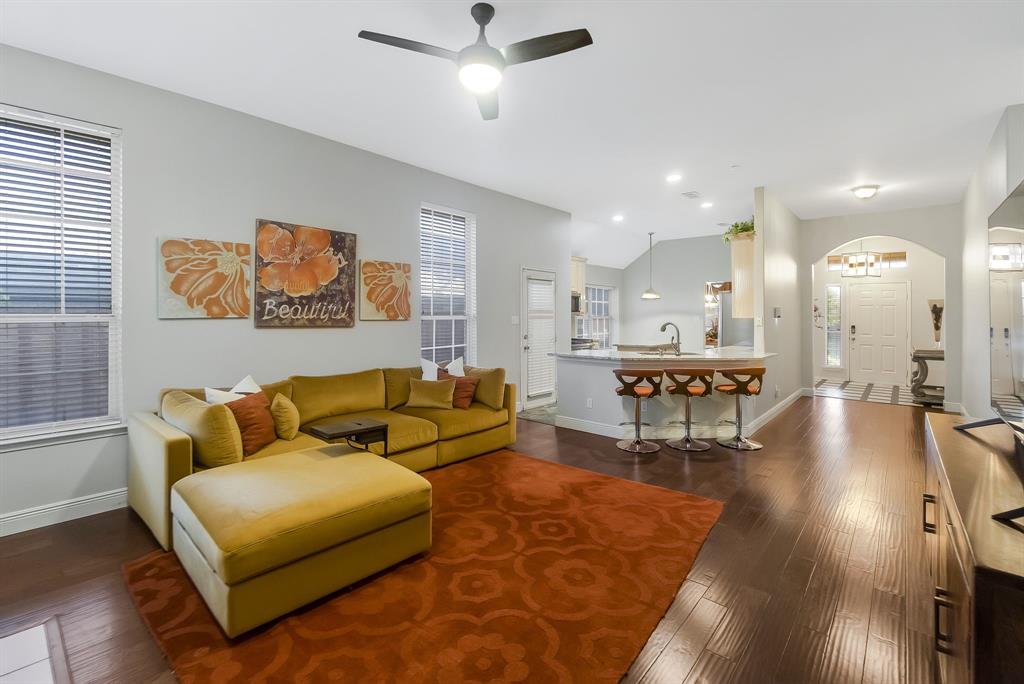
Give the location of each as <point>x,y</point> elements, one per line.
<point>861,264</point>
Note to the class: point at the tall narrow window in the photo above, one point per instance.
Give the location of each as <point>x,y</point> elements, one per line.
<point>833,327</point>
<point>447,285</point>
<point>597,324</point>
<point>60,275</point>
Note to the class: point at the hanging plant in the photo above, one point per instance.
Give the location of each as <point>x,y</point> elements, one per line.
<point>739,228</point>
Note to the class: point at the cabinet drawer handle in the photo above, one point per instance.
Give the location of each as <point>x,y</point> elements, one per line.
<point>941,638</point>
<point>925,500</point>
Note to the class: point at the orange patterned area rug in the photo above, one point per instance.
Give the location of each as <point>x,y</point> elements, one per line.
<point>539,573</point>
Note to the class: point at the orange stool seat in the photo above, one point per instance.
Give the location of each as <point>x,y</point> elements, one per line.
<point>640,391</point>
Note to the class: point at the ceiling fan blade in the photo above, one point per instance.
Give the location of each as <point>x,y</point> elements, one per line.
<point>546,46</point>
<point>406,44</point>
<point>488,103</point>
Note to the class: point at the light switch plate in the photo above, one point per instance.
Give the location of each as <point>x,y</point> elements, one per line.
<point>515,319</point>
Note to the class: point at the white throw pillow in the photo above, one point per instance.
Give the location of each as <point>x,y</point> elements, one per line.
<point>429,370</point>
<point>216,396</point>
<point>247,386</point>
<point>456,368</point>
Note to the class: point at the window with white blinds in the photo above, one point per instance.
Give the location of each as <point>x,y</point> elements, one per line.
<point>833,327</point>
<point>447,285</point>
<point>60,273</point>
<point>597,324</point>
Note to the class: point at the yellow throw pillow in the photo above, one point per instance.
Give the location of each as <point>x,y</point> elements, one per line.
<point>286,417</point>
<point>431,393</point>
<point>216,439</point>
<point>396,384</point>
<point>490,391</point>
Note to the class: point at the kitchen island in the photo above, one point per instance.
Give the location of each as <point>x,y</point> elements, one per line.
<point>587,400</point>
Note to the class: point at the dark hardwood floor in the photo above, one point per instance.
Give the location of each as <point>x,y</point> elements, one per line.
<point>816,571</point>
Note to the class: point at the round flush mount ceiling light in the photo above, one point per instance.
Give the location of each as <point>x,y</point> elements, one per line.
<point>618,218</point>
<point>706,205</point>
<point>673,177</point>
<point>865,191</point>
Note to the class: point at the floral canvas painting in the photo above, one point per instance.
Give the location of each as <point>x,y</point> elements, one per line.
<point>305,277</point>
<point>200,278</point>
<point>385,288</point>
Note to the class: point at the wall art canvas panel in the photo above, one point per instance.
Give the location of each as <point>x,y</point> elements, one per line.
<point>199,278</point>
<point>385,289</point>
<point>305,276</point>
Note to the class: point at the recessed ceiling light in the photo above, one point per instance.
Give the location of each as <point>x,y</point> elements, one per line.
<point>706,205</point>
<point>618,218</point>
<point>865,191</point>
<point>673,177</point>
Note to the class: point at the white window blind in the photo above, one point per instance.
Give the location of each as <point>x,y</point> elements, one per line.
<point>60,274</point>
<point>447,285</point>
<point>833,327</point>
<point>598,321</point>
<point>540,334</point>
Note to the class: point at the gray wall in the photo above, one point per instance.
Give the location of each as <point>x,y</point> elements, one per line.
<point>1000,170</point>
<point>681,268</point>
<point>192,169</point>
<point>937,228</point>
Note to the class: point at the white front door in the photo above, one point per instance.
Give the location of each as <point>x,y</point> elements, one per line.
<point>538,338</point>
<point>999,334</point>
<point>879,350</point>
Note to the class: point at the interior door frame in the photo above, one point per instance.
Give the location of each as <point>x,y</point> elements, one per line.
<point>848,311</point>
<point>524,273</point>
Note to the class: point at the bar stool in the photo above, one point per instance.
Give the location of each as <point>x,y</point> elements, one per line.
<point>743,382</point>
<point>632,387</point>
<point>689,382</point>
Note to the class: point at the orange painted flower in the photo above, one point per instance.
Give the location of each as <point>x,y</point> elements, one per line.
<point>298,263</point>
<point>211,275</point>
<point>387,288</point>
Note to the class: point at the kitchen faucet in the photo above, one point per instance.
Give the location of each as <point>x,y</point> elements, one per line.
<point>675,340</point>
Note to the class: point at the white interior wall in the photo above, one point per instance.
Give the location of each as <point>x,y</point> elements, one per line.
<point>1001,169</point>
<point>193,169</point>
<point>925,278</point>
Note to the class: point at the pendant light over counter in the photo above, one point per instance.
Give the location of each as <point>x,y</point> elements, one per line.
<point>650,292</point>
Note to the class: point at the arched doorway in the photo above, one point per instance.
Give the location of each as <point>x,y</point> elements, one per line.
<point>876,300</point>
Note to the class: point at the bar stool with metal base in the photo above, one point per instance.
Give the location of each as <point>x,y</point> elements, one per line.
<point>743,382</point>
<point>689,382</point>
<point>632,387</point>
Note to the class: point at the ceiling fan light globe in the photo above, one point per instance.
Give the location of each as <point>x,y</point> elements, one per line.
<point>479,78</point>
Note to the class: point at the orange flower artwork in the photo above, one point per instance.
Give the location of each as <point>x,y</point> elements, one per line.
<point>305,276</point>
<point>385,288</point>
<point>203,279</point>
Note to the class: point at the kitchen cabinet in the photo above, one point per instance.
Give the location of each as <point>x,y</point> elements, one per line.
<point>741,248</point>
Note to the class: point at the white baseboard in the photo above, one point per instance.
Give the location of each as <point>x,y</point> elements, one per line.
<point>62,511</point>
<point>771,413</point>
<point>952,407</point>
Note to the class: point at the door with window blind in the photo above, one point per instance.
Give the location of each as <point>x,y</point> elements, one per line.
<point>538,337</point>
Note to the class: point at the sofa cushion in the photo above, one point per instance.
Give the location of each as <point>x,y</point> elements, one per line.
<point>431,393</point>
<point>404,431</point>
<point>286,417</point>
<point>490,391</point>
<point>283,446</point>
<point>453,423</point>
<point>396,381</point>
<point>319,396</point>
<point>252,517</point>
<point>465,389</point>
<point>216,440</point>
<point>252,414</point>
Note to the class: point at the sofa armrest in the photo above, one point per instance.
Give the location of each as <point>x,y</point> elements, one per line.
<point>510,405</point>
<point>159,455</point>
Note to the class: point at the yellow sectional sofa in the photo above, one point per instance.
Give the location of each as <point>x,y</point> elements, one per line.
<point>161,454</point>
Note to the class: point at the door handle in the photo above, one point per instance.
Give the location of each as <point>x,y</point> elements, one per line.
<point>941,638</point>
<point>526,347</point>
<point>926,499</point>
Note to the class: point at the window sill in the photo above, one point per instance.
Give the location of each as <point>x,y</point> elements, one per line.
<point>64,437</point>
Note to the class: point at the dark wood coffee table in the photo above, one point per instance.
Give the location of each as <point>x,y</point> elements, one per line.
<point>363,432</point>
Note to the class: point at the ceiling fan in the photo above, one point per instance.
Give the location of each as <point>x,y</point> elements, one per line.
<point>480,65</point>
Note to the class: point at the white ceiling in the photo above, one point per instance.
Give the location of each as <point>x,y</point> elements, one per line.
<point>808,99</point>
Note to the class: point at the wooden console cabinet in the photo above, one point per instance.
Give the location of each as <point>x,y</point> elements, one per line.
<point>976,563</point>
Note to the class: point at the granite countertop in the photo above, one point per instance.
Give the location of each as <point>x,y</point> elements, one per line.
<point>718,354</point>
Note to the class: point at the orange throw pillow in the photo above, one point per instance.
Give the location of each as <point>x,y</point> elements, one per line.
<point>255,422</point>
<point>465,388</point>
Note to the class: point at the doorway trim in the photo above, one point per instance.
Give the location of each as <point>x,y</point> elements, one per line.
<point>524,368</point>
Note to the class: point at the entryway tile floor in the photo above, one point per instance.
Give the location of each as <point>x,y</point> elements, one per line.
<point>1009,405</point>
<point>864,391</point>
<point>25,657</point>
<point>540,414</point>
